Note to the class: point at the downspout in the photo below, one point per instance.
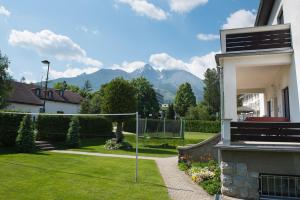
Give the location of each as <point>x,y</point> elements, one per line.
<point>220,72</point>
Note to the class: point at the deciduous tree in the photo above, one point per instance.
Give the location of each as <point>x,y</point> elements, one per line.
<point>147,102</point>
<point>184,99</point>
<point>5,81</point>
<point>118,96</point>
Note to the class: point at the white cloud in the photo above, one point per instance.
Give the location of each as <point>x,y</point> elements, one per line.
<point>196,65</point>
<point>144,8</point>
<point>239,19</point>
<point>199,64</point>
<point>164,61</point>
<point>87,30</point>
<point>207,37</point>
<point>72,72</point>
<point>184,6</point>
<point>84,29</point>
<point>47,43</point>
<point>9,71</point>
<point>4,11</point>
<point>129,66</point>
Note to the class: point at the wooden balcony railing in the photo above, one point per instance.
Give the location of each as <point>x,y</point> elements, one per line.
<point>257,38</point>
<point>265,131</point>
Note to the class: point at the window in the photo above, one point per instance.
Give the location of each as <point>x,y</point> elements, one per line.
<point>61,93</point>
<point>279,186</point>
<point>280,19</point>
<point>38,92</point>
<point>50,94</point>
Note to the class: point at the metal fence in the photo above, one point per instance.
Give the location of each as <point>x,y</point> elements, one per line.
<point>162,128</point>
<point>279,186</point>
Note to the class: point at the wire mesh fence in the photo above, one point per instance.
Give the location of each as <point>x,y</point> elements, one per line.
<point>161,128</point>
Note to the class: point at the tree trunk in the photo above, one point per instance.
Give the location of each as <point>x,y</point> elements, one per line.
<point>119,133</point>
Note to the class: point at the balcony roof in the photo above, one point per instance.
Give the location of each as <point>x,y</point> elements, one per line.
<point>288,50</point>
<point>264,11</point>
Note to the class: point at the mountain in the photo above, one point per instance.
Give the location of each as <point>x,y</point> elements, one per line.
<point>165,81</point>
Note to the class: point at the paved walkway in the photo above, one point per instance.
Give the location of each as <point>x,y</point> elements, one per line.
<point>180,186</point>
<point>102,154</point>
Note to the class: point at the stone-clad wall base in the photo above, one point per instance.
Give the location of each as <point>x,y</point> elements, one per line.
<point>238,182</point>
<point>201,152</point>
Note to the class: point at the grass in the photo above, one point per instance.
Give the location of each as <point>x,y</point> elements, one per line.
<point>147,147</point>
<point>71,177</point>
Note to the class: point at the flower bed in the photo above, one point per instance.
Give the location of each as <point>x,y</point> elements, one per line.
<point>207,175</point>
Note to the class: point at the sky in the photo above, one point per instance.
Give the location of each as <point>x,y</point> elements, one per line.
<point>83,36</point>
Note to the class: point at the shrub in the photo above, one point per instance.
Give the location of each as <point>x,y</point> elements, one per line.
<point>73,133</point>
<point>54,128</point>
<point>9,124</point>
<point>25,141</point>
<point>112,144</point>
<point>202,126</point>
<point>207,175</point>
<point>182,166</point>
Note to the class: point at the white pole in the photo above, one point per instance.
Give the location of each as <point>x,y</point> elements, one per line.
<point>164,127</point>
<point>136,147</point>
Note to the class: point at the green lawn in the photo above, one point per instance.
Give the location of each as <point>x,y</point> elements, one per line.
<point>70,177</point>
<point>147,147</point>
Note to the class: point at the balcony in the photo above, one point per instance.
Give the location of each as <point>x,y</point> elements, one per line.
<point>265,132</point>
<point>256,39</point>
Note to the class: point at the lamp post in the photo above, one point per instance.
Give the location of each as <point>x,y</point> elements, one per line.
<point>46,62</point>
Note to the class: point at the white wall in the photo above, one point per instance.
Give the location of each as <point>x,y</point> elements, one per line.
<point>24,108</point>
<point>275,11</point>
<point>274,91</point>
<point>67,108</point>
<point>230,65</point>
<point>291,12</point>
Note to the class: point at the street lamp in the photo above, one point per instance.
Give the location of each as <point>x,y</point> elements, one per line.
<point>46,62</point>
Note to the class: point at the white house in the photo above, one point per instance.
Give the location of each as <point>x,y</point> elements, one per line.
<point>254,101</point>
<point>30,98</point>
<point>260,157</point>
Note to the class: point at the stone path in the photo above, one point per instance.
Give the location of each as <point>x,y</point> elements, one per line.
<point>180,186</point>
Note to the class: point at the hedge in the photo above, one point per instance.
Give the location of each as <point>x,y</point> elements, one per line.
<point>55,128</point>
<point>202,126</point>
<point>9,125</point>
<point>189,125</point>
<point>129,125</point>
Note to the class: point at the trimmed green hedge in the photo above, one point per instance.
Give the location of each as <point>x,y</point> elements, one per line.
<point>55,128</point>
<point>202,126</point>
<point>129,125</point>
<point>9,125</point>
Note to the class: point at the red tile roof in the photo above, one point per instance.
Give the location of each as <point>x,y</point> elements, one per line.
<point>26,94</point>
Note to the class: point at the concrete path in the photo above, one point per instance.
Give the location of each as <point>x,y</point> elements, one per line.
<point>180,186</point>
<point>102,154</point>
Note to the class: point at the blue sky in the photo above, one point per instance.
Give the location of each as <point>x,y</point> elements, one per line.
<point>86,35</point>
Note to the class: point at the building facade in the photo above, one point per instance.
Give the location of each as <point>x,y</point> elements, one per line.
<point>260,158</point>
<point>30,98</point>
<point>254,101</point>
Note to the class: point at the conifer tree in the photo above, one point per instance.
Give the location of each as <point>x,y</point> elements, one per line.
<point>25,141</point>
<point>73,139</point>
